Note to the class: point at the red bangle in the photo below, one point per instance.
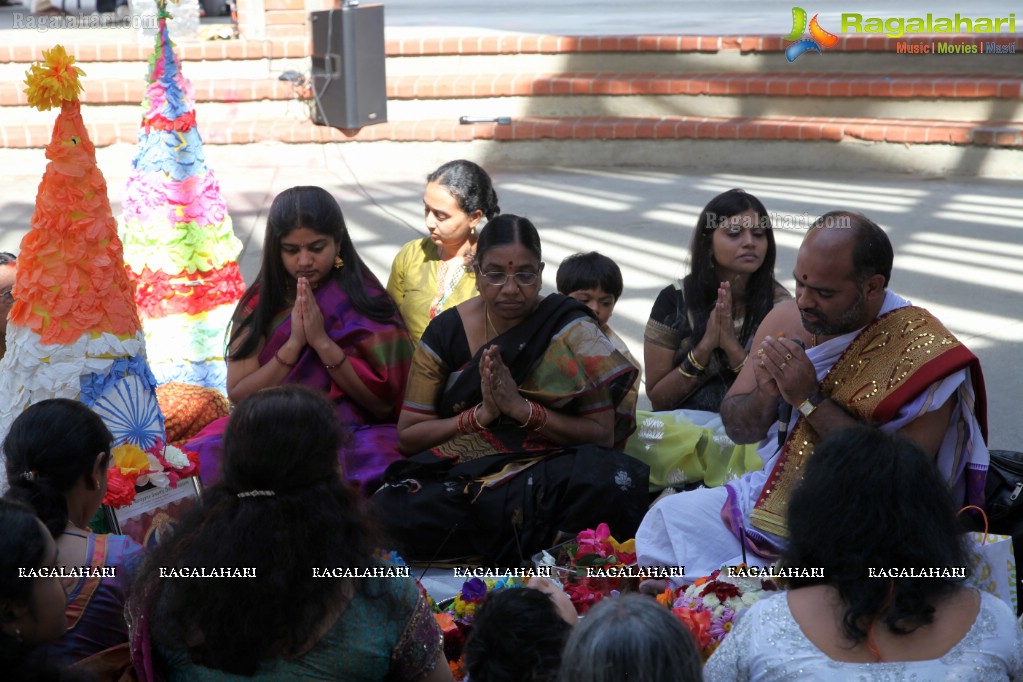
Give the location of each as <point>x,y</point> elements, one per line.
<point>289,365</point>
<point>343,360</point>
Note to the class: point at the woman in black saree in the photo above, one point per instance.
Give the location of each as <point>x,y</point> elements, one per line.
<point>513,406</point>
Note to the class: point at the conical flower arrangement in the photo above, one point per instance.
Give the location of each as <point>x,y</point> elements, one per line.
<point>74,331</point>
<point>178,238</point>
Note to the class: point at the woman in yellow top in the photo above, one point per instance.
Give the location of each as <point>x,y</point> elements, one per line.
<point>433,274</point>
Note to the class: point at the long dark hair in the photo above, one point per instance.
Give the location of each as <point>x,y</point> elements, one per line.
<point>50,446</point>
<point>700,287</point>
<point>22,545</point>
<point>285,440</point>
<point>470,185</point>
<point>903,517</point>
<point>316,209</point>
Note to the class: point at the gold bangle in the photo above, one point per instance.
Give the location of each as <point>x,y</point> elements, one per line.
<point>738,368</point>
<point>685,373</point>
<point>529,419</point>
<point>697,365</point>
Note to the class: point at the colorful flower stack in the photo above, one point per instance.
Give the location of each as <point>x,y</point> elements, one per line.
<point>571,563</point>
<point>74,330</point>
<point>709,606</point>
<point>179,243</point>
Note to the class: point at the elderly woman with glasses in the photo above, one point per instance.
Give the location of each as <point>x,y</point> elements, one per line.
<point>513,406</point>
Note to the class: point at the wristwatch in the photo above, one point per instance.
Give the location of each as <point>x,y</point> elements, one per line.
<point>809,406</point>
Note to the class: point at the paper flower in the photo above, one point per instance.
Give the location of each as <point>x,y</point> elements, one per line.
<point>120,488</point>
<point>176,457</point>
<point>54,81</point>
<point>155,474</point>
<point>130,459</point>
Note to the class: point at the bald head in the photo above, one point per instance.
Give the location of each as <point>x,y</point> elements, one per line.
<point>841,273</point>
<point>852,240</point>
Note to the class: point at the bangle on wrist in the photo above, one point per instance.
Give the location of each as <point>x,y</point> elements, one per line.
<point>538,416</point>
<point>468,422</point>
<point>694,362</point>
<point>474,421</point>
<point>738,368</point>
<point>529,419</point>
<point>289,365</point>
<point>683,372</point>
<point>343,360</point>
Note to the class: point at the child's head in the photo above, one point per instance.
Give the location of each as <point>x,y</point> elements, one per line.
<point>518,635</point>
<point>592,279</point>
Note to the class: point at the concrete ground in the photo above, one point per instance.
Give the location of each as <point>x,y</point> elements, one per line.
<point>958,243</point>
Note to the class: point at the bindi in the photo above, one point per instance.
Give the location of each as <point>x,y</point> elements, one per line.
<point>804,278</point>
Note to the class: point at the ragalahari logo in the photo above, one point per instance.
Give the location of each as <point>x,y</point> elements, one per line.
<point>820,38</point>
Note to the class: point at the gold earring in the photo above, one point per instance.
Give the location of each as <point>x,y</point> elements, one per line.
<point>339,262</point>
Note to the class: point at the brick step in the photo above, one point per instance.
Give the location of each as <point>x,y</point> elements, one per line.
<point>921,132</point>
<point>962,98</point>
<point>538,53</point>
<point>475,86</point>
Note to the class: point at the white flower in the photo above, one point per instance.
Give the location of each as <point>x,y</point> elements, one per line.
<point>175,457</point>
<point>156,474</point>
<point>711,600</point>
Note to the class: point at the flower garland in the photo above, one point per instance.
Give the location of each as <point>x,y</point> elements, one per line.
<point>708,608</point>
<point>161,466</point>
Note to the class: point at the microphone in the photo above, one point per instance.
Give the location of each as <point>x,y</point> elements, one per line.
<point>785,412</point>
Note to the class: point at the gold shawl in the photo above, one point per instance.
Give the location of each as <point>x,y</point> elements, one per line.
<point>887,365</point>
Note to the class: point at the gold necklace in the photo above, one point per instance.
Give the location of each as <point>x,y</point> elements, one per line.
<point>488,326</point>
<point>813,341</point>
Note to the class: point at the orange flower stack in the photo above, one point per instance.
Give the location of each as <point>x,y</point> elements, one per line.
<point>74,330</point>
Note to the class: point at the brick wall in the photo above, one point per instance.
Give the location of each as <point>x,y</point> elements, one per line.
<point>258,19</point>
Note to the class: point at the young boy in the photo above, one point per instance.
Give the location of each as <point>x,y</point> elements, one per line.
<point>596,281</point>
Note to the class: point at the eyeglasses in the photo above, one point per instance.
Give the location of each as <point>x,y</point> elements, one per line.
<point>7,296</point>
<point>499,279</point>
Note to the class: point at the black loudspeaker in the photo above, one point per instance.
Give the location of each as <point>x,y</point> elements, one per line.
<point>349,76</point>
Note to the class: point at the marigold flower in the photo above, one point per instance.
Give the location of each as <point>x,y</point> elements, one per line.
<point>55,80</point>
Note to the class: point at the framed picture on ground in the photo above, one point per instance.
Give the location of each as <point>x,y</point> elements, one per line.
<point>147,519</point>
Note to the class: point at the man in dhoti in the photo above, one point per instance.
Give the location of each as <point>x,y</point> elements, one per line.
<point>870,357</point>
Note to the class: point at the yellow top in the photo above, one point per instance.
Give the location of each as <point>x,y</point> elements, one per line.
<point>422,285</point>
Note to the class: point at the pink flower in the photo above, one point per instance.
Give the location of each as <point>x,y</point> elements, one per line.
<point>595,541</point>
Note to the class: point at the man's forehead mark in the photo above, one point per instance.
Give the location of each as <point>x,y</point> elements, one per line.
<point>804,278</point>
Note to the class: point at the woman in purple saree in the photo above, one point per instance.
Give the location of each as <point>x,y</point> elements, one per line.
<point>317,316</point>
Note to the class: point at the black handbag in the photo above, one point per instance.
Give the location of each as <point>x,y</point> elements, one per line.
<point>1003,490</point>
